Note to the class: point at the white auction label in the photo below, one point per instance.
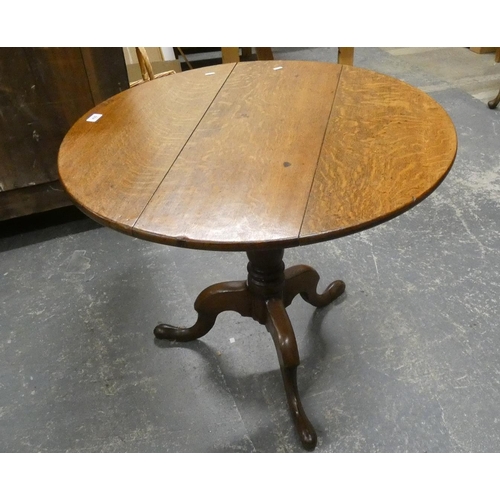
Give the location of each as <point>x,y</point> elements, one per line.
<point>94,117</point>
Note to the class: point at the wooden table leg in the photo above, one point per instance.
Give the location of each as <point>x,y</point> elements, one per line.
<point>264,296</point>
<point>228,296</point>
<point>281,330</point>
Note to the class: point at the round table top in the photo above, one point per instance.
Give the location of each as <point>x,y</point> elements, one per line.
<point>257,155</point>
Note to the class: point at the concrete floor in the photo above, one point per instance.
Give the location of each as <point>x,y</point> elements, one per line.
<point>408,360</point>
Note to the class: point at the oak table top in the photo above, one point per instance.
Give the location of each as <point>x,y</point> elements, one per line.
<point>258,157</point>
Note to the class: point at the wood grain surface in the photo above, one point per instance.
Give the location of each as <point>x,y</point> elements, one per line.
<point>245,174</point>
<point>397,145</point>
<point>112,167</point>
<point>258,155</point>
<point>37,107</point>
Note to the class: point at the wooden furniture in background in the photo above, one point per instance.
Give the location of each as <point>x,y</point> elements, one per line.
<point>160,61</point>
<point>482,50</point>
<point>232,54</point>
<point>494,102</point>
<point>256,157</point>
<point>346,55</point>
<point>43,91</point>
<point>487,50</point>
<point>147,71</point>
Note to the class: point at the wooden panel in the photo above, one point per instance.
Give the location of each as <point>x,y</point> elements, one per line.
<point>15,72</point>
<point>18,123</point>
<point>388,145</point>
<point>32,199</point>
<point>244,177</point>
<point>42,92</point>
<point>106,71</point>
<point>60,77</point>
<point>130,149</point>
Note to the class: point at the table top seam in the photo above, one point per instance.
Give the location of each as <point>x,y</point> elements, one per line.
<point>319,153</point>
<point>182,149</point>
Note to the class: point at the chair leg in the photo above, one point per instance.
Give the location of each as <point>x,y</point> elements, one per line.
<point>246,52</point>
<point>346,55</point>
<point>230,54</point>
<point>189,65</point>
<point>264,54</point>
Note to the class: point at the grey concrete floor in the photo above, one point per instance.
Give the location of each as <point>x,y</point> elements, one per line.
<point>408,360</point>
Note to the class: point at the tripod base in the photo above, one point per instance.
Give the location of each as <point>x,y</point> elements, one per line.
<point>269,289</point>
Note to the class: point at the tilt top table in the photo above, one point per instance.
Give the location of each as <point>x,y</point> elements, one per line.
<point>258,157</point>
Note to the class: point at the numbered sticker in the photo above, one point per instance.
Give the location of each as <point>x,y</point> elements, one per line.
<point>94,117</point>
